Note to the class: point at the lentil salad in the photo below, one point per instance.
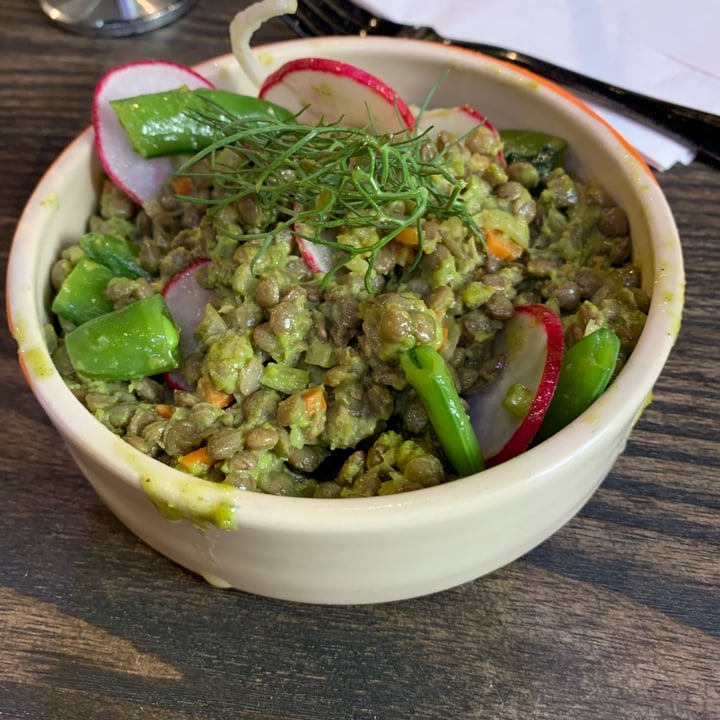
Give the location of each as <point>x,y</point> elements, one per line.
<point>294,384</point>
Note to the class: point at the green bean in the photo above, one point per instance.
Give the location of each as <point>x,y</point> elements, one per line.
<point>426,370</point>
<point>174,123</point>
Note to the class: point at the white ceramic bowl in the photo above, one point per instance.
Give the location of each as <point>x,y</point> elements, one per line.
<point>383,548</point>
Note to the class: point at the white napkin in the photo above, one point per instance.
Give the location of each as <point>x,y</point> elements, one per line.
<point>664,48</point>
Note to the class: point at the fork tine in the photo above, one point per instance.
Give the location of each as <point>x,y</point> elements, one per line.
<point>315,18</point>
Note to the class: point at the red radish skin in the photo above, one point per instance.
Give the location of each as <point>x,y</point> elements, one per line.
<point>459,121</point>
<point>140,178</point>
<point>533,344</point>
<point>186,300</point>
<point>334,91</point>
<point>319,258</point>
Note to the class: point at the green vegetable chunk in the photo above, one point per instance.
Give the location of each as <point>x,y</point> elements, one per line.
<point>115,253</point>
<point>137,341</point>
<point>543,151</point>
<point>284,378</point>
<point>178,121</point>
<point>427,372</point>
<point>587,368</point>
<point>82,295</point>
<point>518,400</point>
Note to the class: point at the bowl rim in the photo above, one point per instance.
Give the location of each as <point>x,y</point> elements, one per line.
<point>490,486</point>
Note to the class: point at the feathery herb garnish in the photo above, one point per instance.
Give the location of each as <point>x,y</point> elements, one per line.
<point>323,180</point>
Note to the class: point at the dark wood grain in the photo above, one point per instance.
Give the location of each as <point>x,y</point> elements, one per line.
<point>616,616</point>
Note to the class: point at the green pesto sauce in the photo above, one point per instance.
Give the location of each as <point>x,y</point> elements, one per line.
<point>201,502</point>
<point>52,201</point>
<point>38,364</point>
<point>265,58</point>
<point>35,360</point>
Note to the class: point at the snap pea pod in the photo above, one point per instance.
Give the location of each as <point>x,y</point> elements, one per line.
<point>136,341</point>
<point>586,370</point>
<point>426,370</point>
<point>543,151</point>
<point>81,296</point>
<point>186,121</point>
<point>115,252</point>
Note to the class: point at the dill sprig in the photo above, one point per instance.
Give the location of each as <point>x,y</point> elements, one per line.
<point>324,180</point>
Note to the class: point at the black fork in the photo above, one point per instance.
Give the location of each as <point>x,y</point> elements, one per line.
<point>317,18</point>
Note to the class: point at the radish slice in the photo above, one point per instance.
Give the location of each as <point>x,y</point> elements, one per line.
<point>532,341</point>
<point>334,91</point>
<point>460,121</point>
<point>140,178</point>
<point>319,258</point>
<point>244,25</point>
<point>186,300</point>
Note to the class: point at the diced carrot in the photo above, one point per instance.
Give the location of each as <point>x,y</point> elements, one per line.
<point>196,461</point>
<point>314,400</point>
<point>444,342</point>
<point>404,254</point>
<point>501,246</point>
<point>181,185</point>
<point>208,393</point>
<point>408,235</point>
<point>164,411</point>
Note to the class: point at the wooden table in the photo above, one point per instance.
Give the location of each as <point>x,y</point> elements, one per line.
<point>616,616</point>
